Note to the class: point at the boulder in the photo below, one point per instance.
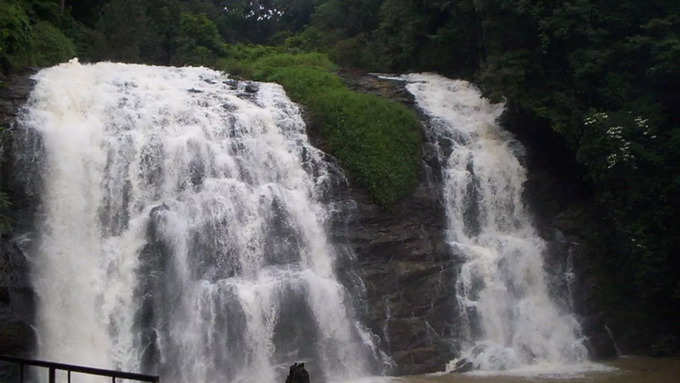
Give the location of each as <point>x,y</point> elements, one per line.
<point>297,374</point>
<point>462,366</point>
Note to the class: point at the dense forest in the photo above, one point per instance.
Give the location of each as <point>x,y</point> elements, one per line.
<point>603,76</point>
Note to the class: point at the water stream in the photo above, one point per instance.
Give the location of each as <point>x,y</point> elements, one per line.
<point>508,317</point>
<point>183,230</point>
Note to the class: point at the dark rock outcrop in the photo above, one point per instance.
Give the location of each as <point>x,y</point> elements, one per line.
<point>16,302</point>
<point>402,257</point>
<point>404,261</point>
<point>297,374</point>
<point>463,366</point>
<point>17,336</point>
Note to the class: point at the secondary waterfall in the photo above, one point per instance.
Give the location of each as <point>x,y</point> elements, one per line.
<point>183,228</point>
<point>508,317</point>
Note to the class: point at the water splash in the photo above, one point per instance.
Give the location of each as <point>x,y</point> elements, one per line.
<point>510,320</point>
<point>183,229</point>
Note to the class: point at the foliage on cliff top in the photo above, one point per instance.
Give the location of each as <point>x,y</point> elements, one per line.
<point>376,140</point>
<point>29,36</point>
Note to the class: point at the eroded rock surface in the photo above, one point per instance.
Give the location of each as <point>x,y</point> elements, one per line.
<point>17,337</point>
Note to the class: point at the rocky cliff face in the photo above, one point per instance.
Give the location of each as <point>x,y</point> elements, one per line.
<point>17,337</point>
<point>405,263</point>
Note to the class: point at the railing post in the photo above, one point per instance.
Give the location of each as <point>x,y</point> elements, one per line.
<point>53,367</point>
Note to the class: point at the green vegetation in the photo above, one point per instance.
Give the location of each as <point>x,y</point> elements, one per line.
<point>15,33</point>
<point>28,36</point>
<point>50,45</point>
<point>376,140</point>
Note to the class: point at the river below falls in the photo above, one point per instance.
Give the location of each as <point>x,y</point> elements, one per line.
<point>625,370</point>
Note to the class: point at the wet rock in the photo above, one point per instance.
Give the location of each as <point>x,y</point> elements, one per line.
<point>463,366</point>
<point>297,374</point>
<point>246,96</point>
<point>229,107</point>
<point>369,83</point>
<point>251,88</point>
<point>16,335</point>
<point>418,360</point>
<point>16,294</point>
<point>409,274</point>
<point>14,92</point>
<point>232,84</point>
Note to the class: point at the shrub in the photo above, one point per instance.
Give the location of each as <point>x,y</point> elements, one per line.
<point>376,140</point>
<point>50,45</point>
<point>15,33</point>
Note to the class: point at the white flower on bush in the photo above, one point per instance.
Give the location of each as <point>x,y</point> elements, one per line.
<point>616,136</point>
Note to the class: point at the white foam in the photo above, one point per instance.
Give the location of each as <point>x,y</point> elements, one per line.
<point>508,317</point>
<point>224,169</point>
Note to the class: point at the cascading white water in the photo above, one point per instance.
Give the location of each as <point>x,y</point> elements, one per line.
<point>182,228</point>
<point>509,318</point>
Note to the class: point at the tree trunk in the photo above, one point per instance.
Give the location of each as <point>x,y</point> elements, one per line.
<point>62,6</point>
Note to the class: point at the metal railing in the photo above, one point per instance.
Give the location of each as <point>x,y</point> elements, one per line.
<point>53,367</point>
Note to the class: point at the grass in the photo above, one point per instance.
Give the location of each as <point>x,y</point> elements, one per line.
<point>377,141</point>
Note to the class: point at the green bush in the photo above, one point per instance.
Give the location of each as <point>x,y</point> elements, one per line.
<point>376,140</point>
<point>50,45</point>
<point>304,84</point>
<point>199,41</point>
<point>15,34</point>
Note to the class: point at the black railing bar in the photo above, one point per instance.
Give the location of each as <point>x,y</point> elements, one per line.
<point>81,369</point>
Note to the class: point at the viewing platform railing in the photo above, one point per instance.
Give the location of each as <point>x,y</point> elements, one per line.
<point>54,367</point>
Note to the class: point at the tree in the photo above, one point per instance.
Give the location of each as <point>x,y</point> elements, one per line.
<point>123,27</point>
<point>15,34</point>
<point>199,42</point>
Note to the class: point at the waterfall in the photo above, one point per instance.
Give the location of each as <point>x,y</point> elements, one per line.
<point>183,228</point>
<point>507,316</point>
